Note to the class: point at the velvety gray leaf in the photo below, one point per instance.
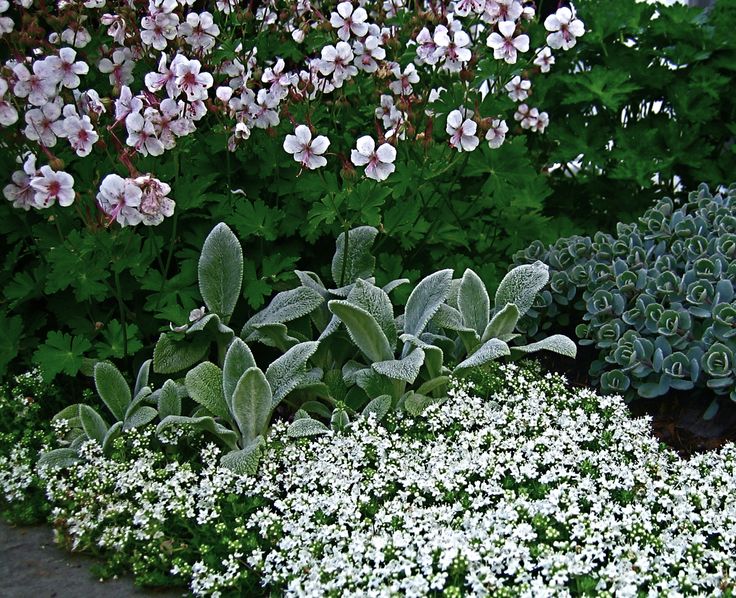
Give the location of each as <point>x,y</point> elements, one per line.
<point>238,359</point>
<point>204,384</point>
<point>171,356</point>
<point>94,426</point>
<point>521,285</point>
<point>377,303</point>
<point>360,261</point>
<point>140,417</point>
<point>286,372</point>
<point>251,404</point>
<point>58,458</point>
<point>285,307</point>
<point>169,402</point>
<point>364,330</point>
<point>205,423</point>
<point>141,380</point>
<point>245,461</point>
<point>557,343</point>
<point>220,271</point>
<point>112,388</point>
<point>488,351</point>
<point>380,406</point>
<point>503,323</point>
<point>474,302</point>
<point>406,369</point>
<point>302,428</point>
<point>425,300</point>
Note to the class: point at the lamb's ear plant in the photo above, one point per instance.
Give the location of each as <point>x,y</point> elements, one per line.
<point>237,402</point>
<point>483,334</point>
<point>128,409</point>
<point>220,276</point>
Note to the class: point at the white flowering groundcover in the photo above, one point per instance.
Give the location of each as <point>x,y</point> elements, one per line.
<point>538,490</point>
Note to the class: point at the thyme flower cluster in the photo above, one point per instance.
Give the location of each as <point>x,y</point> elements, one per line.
<point>537,491</point>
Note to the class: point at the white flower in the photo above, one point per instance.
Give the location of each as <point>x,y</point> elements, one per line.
<point>518,88</point>
<point>142,135</point>
<point>462,132</point>
<point>64,68</point>
<point>120,68</point>
<point>155,205</point>
<point>544,59</point>
<point>165,76</point>
<point>336,61</point>
<point>51,186</point>
<point>347,20</point>
<point>8,113</point>
<point>127,103</point>
<point>379,163</point>
<point>454,50</point>
<point>565,27</point>
<point>200,31</point>
<point>36,85</point>
<point>43,124</point>
<point>306,150</point>
<point>119,198</point>
<point>505,46</point>
<point>367,53</point>
<point>158,30</point>
<point>278,80</point>
<point>116,27</point>
<point>20,191</point>
<point>404,80</point>
<point>81,134</point>
<point>78,37</point>
<point>191,81</point>
<point>427,50</point>
<point>496,135</point>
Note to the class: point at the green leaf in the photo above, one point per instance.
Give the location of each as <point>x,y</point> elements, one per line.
<point>521,285</point>
<point>287,372</point>
<point>238,359</point>
<point>12,331</point>
<point>112,388</point>
<point>502,324</point>
<point>488,351</point>
<point>425,300</point>
<point>365,332</point>
<point>285,307</point>
<point>252,404</point>
<point>171,355</point>
<point>360,262</point>
<point>112,433</point>
<point>92,423</point>
<point>220,271</point>
<point>245,461</point>
<point>169,402</point>
<point>415,404</point>
<point>61,353</point>
<point>204,385</point>
<point>474,302</point>
<point>141,380</point>
<point>114,340</point>
<point>305,427</point>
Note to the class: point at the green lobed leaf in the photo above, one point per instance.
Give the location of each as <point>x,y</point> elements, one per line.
<point>220,271</point>
<point>61,353</point>
<point>474,302</point>
<point>204,385</point>
<point>365,332</point>
<point>252,404</point>
<point>112,388</point>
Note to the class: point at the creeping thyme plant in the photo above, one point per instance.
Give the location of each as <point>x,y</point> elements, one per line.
<point>124,117</point>
<point>531,489</point>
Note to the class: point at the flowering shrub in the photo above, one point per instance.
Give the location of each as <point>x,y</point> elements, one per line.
<point>538,489</point>
<point>120,95</point>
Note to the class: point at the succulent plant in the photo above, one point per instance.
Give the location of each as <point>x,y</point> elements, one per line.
<point>656,299</point>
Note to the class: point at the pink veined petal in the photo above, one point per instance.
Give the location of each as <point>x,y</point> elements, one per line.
<point>564,15</point>
<point>386,153</point>
<point>366,145</point>
<point>383,170</point>
<point>454,119</point>
<point>461,39</point>
<point>507,28</point>
<point>320,144</point>
<point>303,134</point>
<point>521,43</point>
<point>358,159</point>
<point>315,162</point>
<point>577,28</point>
<point>469,142</point>
<point>552,23</point>
<point>470,127</point>
<point>345,9</point>
<point>329,53</point>
<point>292,144</point>
<point>359,29</point>
<point>495,41</point>
<point>359,15</point>
<point>336,20</point>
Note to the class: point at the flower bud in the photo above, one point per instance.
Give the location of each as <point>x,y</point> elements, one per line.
<point>56,163</point>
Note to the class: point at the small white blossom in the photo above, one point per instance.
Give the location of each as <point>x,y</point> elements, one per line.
<point>306,150</point>
<point>462,132</point>
<point>565,27</point>
<point>379,163</point>
<point>505,45</point>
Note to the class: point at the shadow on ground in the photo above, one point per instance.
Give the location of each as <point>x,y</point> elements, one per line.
<point>32,566</point>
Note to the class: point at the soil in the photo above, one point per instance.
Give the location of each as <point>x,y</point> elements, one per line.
<point>32,566</point>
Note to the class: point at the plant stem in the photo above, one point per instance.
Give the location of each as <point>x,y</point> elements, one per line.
<point>121,309</point>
